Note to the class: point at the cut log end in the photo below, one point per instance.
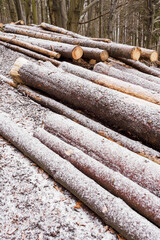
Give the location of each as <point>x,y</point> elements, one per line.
<point>17,65</point>
<point>104,56</point>
<point>154,56</point>
<point>136,53</point>
<point>77,53</point>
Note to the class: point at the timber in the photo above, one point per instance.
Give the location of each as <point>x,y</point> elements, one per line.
<point>29,46</point>
<point>109,70</point>
<point>29,53</point>
<point>102,40</point>
<point>111,209</point>
<point>97,127</point>
<point>149,54</point>
<point>95,53</point>
<point>146,203</point>
<point>137,168</point>
<point>114,83</point>
<point>140,66</point>
<point>114,49</point>
<point>106,104</point>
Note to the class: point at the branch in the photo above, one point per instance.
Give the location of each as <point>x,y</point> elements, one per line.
<point>89,6</point>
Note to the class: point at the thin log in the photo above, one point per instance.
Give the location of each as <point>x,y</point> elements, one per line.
<point>140,66</point>
<point>149,54</point>
<point>128,113</point>
<point>29,46</point>
<point>146,203</point>
<point>136,72</point>
<point>112,210</point>
<point>97,127</point>
<point>137,168</point>
<point>114,83</point>
<point>30,53</point>
<point>8,81</point>
<point>109,70</point>
<point>114,49</point>
<point>101,40</point>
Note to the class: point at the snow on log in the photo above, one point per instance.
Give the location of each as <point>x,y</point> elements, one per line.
<point>117,109</point>
<point>139,169</point>
<point>149,54</point>
<point>114,211</point>
<point>97,127</point>
<point>146,203</point>
<point>29,53</point>
<point>113,83</point>
<point>29,46</point>
<point>109,70</point>
<point>141,67</point>
<point>114,49</point>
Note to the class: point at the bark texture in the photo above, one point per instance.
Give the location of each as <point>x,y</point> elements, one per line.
<point>115,108</point>
<point>149,54</point>
<point>114,83</point>
<point>135,196</point>
<point>97,127</point>
<point>111,209</point>
<point>95,53</point>
<point>139,169</point>
<point>114,49</point>
<point>109,70</point>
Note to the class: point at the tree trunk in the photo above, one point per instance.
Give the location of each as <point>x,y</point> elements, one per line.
<point>112,210</point>
<point>113,83</point>
<point>135,196</point>
<point>98,128</point>
<point>30,53</point>
<point>30,46</point>
<point>107,69</point>
<point>12,10</point>
<point>114,49</point>
<point>125,112</point>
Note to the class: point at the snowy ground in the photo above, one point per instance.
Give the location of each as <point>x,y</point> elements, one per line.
<point>32,205</point>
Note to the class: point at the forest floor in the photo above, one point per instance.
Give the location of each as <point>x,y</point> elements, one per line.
<point>32,205</point>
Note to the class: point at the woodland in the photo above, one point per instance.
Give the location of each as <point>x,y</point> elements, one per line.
<point>125,21</point>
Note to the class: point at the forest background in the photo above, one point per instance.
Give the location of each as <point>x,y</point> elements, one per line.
<point>134,22</point>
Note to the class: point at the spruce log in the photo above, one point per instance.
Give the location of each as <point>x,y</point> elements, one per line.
<point>97,127</point>
<point>114,83</point>
<point>117,109</point>
<point>95,53</point>
<point>29,46</point>
<point>112,210</point>
<point>149,54</point>
<point>109,70</point>
<point>140,66</point>
<point>114,49</point>
<point>137,168</point>
<point>101,40</point>
<point>30,53</point>
<point>146,203</point>
<point>136,72</point>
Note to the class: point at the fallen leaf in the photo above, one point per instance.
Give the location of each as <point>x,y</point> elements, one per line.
<point>78,205</point>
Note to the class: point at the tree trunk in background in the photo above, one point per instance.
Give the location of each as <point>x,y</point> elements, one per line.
<point>28,11</point>
<point>19,9</point>
<point>34,10</point>
<point>111,17</point>
<point>12,10</point>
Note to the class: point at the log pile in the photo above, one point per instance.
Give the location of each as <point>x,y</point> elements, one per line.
<point>112,142</point>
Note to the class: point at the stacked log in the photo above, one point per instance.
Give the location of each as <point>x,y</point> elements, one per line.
<point>111,209</point>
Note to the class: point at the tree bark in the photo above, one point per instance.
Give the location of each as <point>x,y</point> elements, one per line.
<point>97,127</point>
<point>122,111</point>
<point>107,69</point>
<point>112,210</point>
<point>113,83</point>
<point>140,66</point>
<point>95,53</point>
<point>30,53</point>
<point>114,49</point>
<point>29,46</point>
<point>135,196</point>
<point>149,54</point>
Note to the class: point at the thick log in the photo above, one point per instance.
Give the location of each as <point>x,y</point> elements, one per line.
<point>97,127</point>
<point>114,49</point>
<point>146,203</point>
<point>112,210</point>
<point>117,109</point>
<point>30,53</point>
<point>140,66</point>
<point>29,46</point>
<point>95,53</point>
<point>109,70</point>
<point>137,168</point>
<point>149,54</point>
<point>114,83</point>
<point>136,72</point>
